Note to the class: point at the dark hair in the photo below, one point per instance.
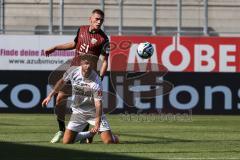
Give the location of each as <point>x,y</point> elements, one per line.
<point>89,57</point>
<point>98,11</point>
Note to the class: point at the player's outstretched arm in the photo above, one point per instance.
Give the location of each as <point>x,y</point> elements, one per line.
<point>55,90</point>
<point>98,105</point>
<point>66,46</point>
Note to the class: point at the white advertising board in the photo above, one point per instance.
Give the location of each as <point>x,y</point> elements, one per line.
<point>27,52</point>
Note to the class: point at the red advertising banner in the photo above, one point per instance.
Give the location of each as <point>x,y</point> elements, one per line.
<point>177,54</point>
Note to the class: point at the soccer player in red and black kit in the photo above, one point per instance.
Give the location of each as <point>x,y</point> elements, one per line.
<point>90,39</point>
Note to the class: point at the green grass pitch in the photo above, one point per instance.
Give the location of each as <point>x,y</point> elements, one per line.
<point>26,136</point>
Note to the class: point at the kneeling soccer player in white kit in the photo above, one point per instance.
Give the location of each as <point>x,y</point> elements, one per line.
<point>86,105</point>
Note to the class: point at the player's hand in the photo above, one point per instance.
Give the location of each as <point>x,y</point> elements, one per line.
<point>46,101</point>
<point>49,51</point>
<point>95,129</point>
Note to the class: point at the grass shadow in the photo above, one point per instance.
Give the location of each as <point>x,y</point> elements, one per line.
<point>153,139</point>
<point>15,151</point>
<point>166,140</point>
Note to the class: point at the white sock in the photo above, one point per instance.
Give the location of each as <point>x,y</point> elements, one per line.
<point>83,135</point>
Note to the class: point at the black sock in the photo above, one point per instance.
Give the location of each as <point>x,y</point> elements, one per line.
<point>61,125</point>
<point>86,128</point>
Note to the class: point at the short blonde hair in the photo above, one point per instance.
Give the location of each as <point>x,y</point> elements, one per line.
<point>98,11</point>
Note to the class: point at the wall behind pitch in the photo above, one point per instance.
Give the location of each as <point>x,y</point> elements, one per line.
<point>194,74</point>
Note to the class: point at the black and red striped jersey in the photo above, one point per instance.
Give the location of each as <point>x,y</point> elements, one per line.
<point>94,43</point>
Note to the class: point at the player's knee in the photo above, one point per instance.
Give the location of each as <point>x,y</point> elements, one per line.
<point>59,101</point>
<point>66,141</point>
<point>108,141</point>
<point>113,140</point>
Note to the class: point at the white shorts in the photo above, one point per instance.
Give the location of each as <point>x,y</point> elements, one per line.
<point>79,124</point>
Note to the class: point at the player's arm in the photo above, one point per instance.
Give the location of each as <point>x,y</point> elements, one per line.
<point>66,46</point>
<point>97,95</point>
<point>59,85</point>
<point>98,106</point>
<point>104,66</point>
<point>105,54</point>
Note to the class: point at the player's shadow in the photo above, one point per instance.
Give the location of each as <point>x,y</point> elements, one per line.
<point>15,151</point>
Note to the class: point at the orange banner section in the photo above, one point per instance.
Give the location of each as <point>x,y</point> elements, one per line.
<point>177,54</point>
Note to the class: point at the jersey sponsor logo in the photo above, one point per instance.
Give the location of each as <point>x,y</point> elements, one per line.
<point>93,41</point>
<point>82,90</point>
<point>84,85</point>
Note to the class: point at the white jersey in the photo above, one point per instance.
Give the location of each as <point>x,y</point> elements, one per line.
<point>84,90</point>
